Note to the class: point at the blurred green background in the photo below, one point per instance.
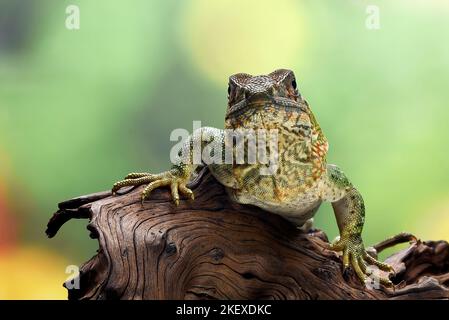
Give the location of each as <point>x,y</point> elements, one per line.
<point>79,109</point>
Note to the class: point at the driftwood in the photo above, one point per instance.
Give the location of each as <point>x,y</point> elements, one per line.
<point>212,248</point>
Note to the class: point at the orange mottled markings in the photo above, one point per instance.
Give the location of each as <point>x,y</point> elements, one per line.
<point>277,193</point>
<point>304,117</point>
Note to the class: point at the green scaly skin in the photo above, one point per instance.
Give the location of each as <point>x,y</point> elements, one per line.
<point>302,179</point>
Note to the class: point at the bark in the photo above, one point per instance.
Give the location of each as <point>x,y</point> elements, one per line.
<point>212,248</point>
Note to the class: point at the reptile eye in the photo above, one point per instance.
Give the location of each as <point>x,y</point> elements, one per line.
<point>294,85</point>
<point>229,90</point>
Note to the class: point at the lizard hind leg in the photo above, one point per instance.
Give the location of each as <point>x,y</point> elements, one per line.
<point>307,226</point>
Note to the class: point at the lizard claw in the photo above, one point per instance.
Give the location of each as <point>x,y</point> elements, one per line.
<point>131,182</point>
<point>356,258</point>
<point>166,179</point>
<point>186,191</point>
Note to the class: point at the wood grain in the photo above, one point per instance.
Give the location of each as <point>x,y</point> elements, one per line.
<point>212,248</point>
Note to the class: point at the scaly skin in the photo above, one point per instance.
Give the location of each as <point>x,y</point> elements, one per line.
<point>301,180</point>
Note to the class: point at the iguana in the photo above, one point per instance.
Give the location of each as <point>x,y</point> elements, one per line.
<point>294,184</point>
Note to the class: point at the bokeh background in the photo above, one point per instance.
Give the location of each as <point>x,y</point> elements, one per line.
<point>79,109</point>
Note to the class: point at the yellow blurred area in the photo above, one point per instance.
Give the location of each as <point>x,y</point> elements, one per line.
<point>254,36</point>
<point>434,224</point>
<point>32,273</point>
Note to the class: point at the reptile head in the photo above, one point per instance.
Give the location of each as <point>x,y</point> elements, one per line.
<point>278,88</point>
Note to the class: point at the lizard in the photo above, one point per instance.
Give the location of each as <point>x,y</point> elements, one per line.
<point>299,182</point>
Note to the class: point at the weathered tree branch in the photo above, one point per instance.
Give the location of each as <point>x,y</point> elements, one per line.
<point>212,248</point>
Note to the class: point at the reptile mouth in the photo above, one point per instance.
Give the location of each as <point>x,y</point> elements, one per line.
<point>262,100</point>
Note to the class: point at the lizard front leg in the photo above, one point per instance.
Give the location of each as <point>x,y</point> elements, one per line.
<point>176,179</point>
<point>349,211</point>
<point>179,175</point>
